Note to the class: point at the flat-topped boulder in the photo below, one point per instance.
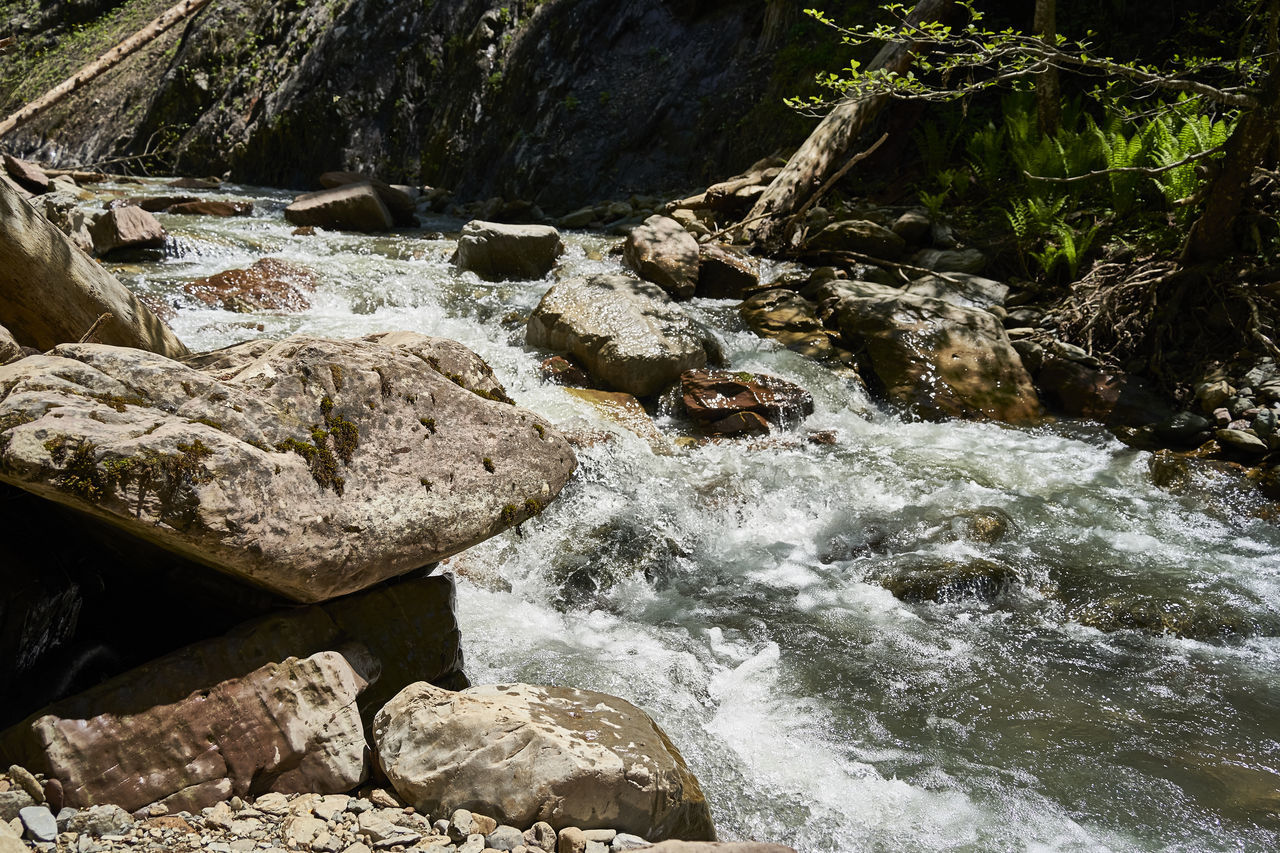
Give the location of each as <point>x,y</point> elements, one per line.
<point>661,251</point>
<point>397,201</point>
<point>522,753</point>
<point>628,333</point>
<point>353,207</point>
<point>51,292</point>
<point>123,228</point>
<point>497,250</point>
<point>937,359</point>
<point>310,467</point>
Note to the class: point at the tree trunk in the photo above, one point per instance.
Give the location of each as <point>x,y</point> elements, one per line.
<point>1048,97</point>
<point>1212,236</point>
<point>104,63</point>
<point>831,140</point>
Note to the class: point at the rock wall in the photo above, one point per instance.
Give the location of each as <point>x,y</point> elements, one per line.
<point>560,102</point>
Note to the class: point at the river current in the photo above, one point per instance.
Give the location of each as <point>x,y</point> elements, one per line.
<point>732,589</point>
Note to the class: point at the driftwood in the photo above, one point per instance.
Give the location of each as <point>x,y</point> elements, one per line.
<point>101,65</point>
<point>831,140</point>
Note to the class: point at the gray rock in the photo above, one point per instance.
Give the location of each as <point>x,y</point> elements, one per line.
<point>101,820</point>
<point>624,841</point>
<point>596,846</point>
<point>504,837</point>
<point>725,273</point>
<point>961,289</point>
<point>12,802</point>
<point>39,822</point>
<point>914,226</point>
<point>460,825</point>
<point>124,228</point>
<point>62,209</point>
<point>64,816</point>
<point>628,333</point>
<point>52,293</point>
<point>661,251</point>
<point>524,752</point>
<point>541,836</point>
<point>604,836</point>
<point>354,207</point>
<point>860,236</point>
<point>1266,423</point>
<point>1182,427</point>
<point>495,250</point>
<point>950,260</point>
<point>377,456</point>
<point>473,844</point>
<point>383,833</point>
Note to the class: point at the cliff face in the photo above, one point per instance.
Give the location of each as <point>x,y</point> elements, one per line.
<point>560,102</point>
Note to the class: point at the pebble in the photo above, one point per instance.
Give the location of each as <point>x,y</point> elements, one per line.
<point>473,844</point>
<point>625,841</point>
<point>504,838</point>
<point>571,841</point>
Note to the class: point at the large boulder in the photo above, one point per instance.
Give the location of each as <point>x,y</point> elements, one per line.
<point>937,359</point>
<point>661,251</point>
<point>123,228</point>
<point>269,284</point>
<point>290,726</point>
<point>521,753</point>
<point>51,292</point>
<point>310,467</point>
<point>398,202</point>
<point>962,289</point>
<point>355,207</point>
<point>628,333</point>
<point>1111,397</point>
<point>497,250</point>
<point>860,236</point>
<point>724,273</point>
<point>790,319</point>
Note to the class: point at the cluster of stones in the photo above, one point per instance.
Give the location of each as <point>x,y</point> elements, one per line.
<point>333,823</point>
<point>1241,412</point>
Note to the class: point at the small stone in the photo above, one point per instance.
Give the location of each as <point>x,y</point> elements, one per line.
<point>1221,417</point>
<point>272,803</point>
<point>39,823</point>
<point>300,831</point>
<point>441,827</point>
<point>357,848</point>
<point>482,824</point>
<point>597,847</point>
<point>27,782</point>
<point>383,832</point>
<point>473,844</point>
<point>1214,395</point>
<point>101,820</point>
<point>504,838</point>
<point>158,810</point>
<point>571,840</point>
<point>1241,441</point>
<point>625,841</point>
<point>329,807</point>
<point>11,802</point>
<point>541,835</point>
<point>460,825</point>
<point>359,805</point>
<point>236,804</point>
<point>604,836</point>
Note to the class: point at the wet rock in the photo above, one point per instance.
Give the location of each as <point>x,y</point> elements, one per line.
<point>914,226</point>
<point>858,235</point>
<point>628,333</point>
<point>624,410</point>
<point>1133,610</point>
<point>713,397</point>
<point>1110,397</point>
<point>528,753</point>
<point>291,726</point>
<point>376,456</point>
<point>562,371</point>
<point>210,208</point>
<point>154,204</point>
<point>961,289</point>
<point>724,273</point>
<point>711,847</point>
<point>937,359</point>
<point>1183,428</point>
<point>27,175</point>
<point>1242,442</point>
<point>397,201</point>
<point>790,319</point>
<point>662,252</point>
<point>950,260</point>
<point>195,184</point>
<point>494,250</point>
<point>270,284</point>
<point>125,228</point>
<point>947,581</point>
<point>51,293</point>
<point>355,207</point>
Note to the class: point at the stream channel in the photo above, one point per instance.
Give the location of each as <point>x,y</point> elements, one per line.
<point>732,588</point>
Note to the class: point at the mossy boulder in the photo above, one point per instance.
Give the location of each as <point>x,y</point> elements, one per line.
<point>308,466</point>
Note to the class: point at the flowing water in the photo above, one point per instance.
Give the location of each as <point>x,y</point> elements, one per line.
<point>733,589</point>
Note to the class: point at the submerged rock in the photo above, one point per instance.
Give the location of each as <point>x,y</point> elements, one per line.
<point>947,581</point>
<point>210,208</point>
<point>661,251</point>
<point>628,333</point>
<point>791,320</point>
<point>495,250</point>
<point>310,467</point>
<point>523,753</point>
<point>270,284</point>
<point>355,207</point>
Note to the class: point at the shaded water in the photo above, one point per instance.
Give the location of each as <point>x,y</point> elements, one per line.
<point>732,589</point>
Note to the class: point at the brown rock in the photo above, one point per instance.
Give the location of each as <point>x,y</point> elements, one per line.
<point>858,235</point>
<point>524,753</point>
<point>125,228</point>
<point>270,284</point>
<point>397,201</point>
<point>718,400</point>
<point>1110,397</point>
<point>151,204</point>
<point>289,727</point>
<point>211,208</point>
<point>355,207</point>
<point>790,319</point>
<point>561,371</point>
<point>51,292</point>
<point>661,251</point>
<point>624,410</point>
<point>195,184</point>
<point>28,175</point>
<point>725,273</point>
<point>571,840</point>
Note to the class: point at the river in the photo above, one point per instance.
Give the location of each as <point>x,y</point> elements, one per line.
<point>732,589</point>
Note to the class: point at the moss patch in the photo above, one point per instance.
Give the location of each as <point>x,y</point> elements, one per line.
<point>336,440</point>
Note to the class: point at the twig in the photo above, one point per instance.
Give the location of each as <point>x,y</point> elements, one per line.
<point>1145,170</point>
<point>881,262</point>
<point>93,330</point>
<point>833,180</point>
<point>736,225</point>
